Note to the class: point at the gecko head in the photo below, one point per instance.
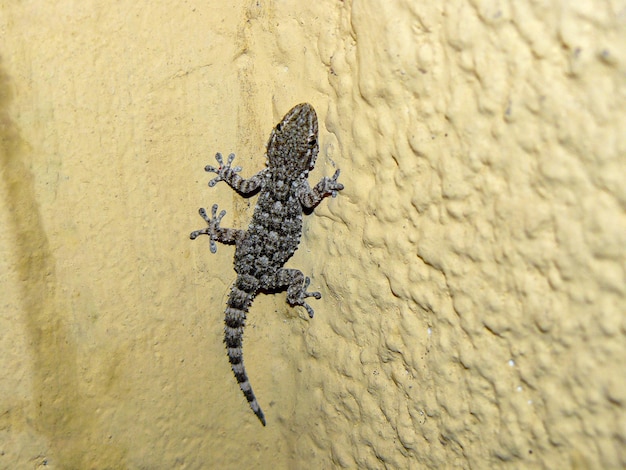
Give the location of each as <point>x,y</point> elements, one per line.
<point>293,145</point>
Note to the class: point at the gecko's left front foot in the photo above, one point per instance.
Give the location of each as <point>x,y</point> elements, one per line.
<point>223,170</point>
<point>212,229</point>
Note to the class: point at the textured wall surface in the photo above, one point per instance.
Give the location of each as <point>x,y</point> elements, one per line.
<point>473,271</point>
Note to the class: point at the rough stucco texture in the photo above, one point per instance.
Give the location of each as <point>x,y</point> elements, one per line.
<point>472,271</point>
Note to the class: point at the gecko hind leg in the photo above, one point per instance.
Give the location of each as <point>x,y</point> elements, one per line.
<point>214,231</point>
<point>296,284</point>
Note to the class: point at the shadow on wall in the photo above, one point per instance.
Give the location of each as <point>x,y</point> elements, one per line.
<point>60,415</point>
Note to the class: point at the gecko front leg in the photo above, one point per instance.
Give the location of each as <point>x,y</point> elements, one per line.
<point>311,197</point>
<point>215,232</point>
<point>229,175</point>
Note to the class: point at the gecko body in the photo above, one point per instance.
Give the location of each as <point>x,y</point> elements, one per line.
<point>274,233</point>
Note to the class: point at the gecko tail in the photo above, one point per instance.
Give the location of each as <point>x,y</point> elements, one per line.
<point>241,297</point>
<point>235,357</point>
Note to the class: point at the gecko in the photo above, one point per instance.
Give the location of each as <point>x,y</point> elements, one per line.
<point>274,233</point>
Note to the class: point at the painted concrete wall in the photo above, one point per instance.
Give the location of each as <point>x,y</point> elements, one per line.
<point>472,271</point>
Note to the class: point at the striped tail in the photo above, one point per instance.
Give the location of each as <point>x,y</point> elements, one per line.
<point>239,301</point>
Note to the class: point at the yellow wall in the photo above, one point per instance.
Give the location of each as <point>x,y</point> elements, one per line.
<point>472,271</point>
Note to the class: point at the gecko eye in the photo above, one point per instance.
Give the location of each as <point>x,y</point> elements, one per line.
<point>312,141</point>
<point>279,126</point>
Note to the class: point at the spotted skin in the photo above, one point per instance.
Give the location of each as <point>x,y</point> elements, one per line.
<point>274,233</point>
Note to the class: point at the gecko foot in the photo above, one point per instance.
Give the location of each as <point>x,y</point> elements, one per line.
<point>297,297</point>
<point>222,169</point>
<point>333,186</point>
<point>212,229</point>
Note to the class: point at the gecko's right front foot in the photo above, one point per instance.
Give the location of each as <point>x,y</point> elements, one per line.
<point>331,186</point>
<point>212,229</point>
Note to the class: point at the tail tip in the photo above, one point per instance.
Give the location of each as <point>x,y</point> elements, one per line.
<point>261,416</point>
